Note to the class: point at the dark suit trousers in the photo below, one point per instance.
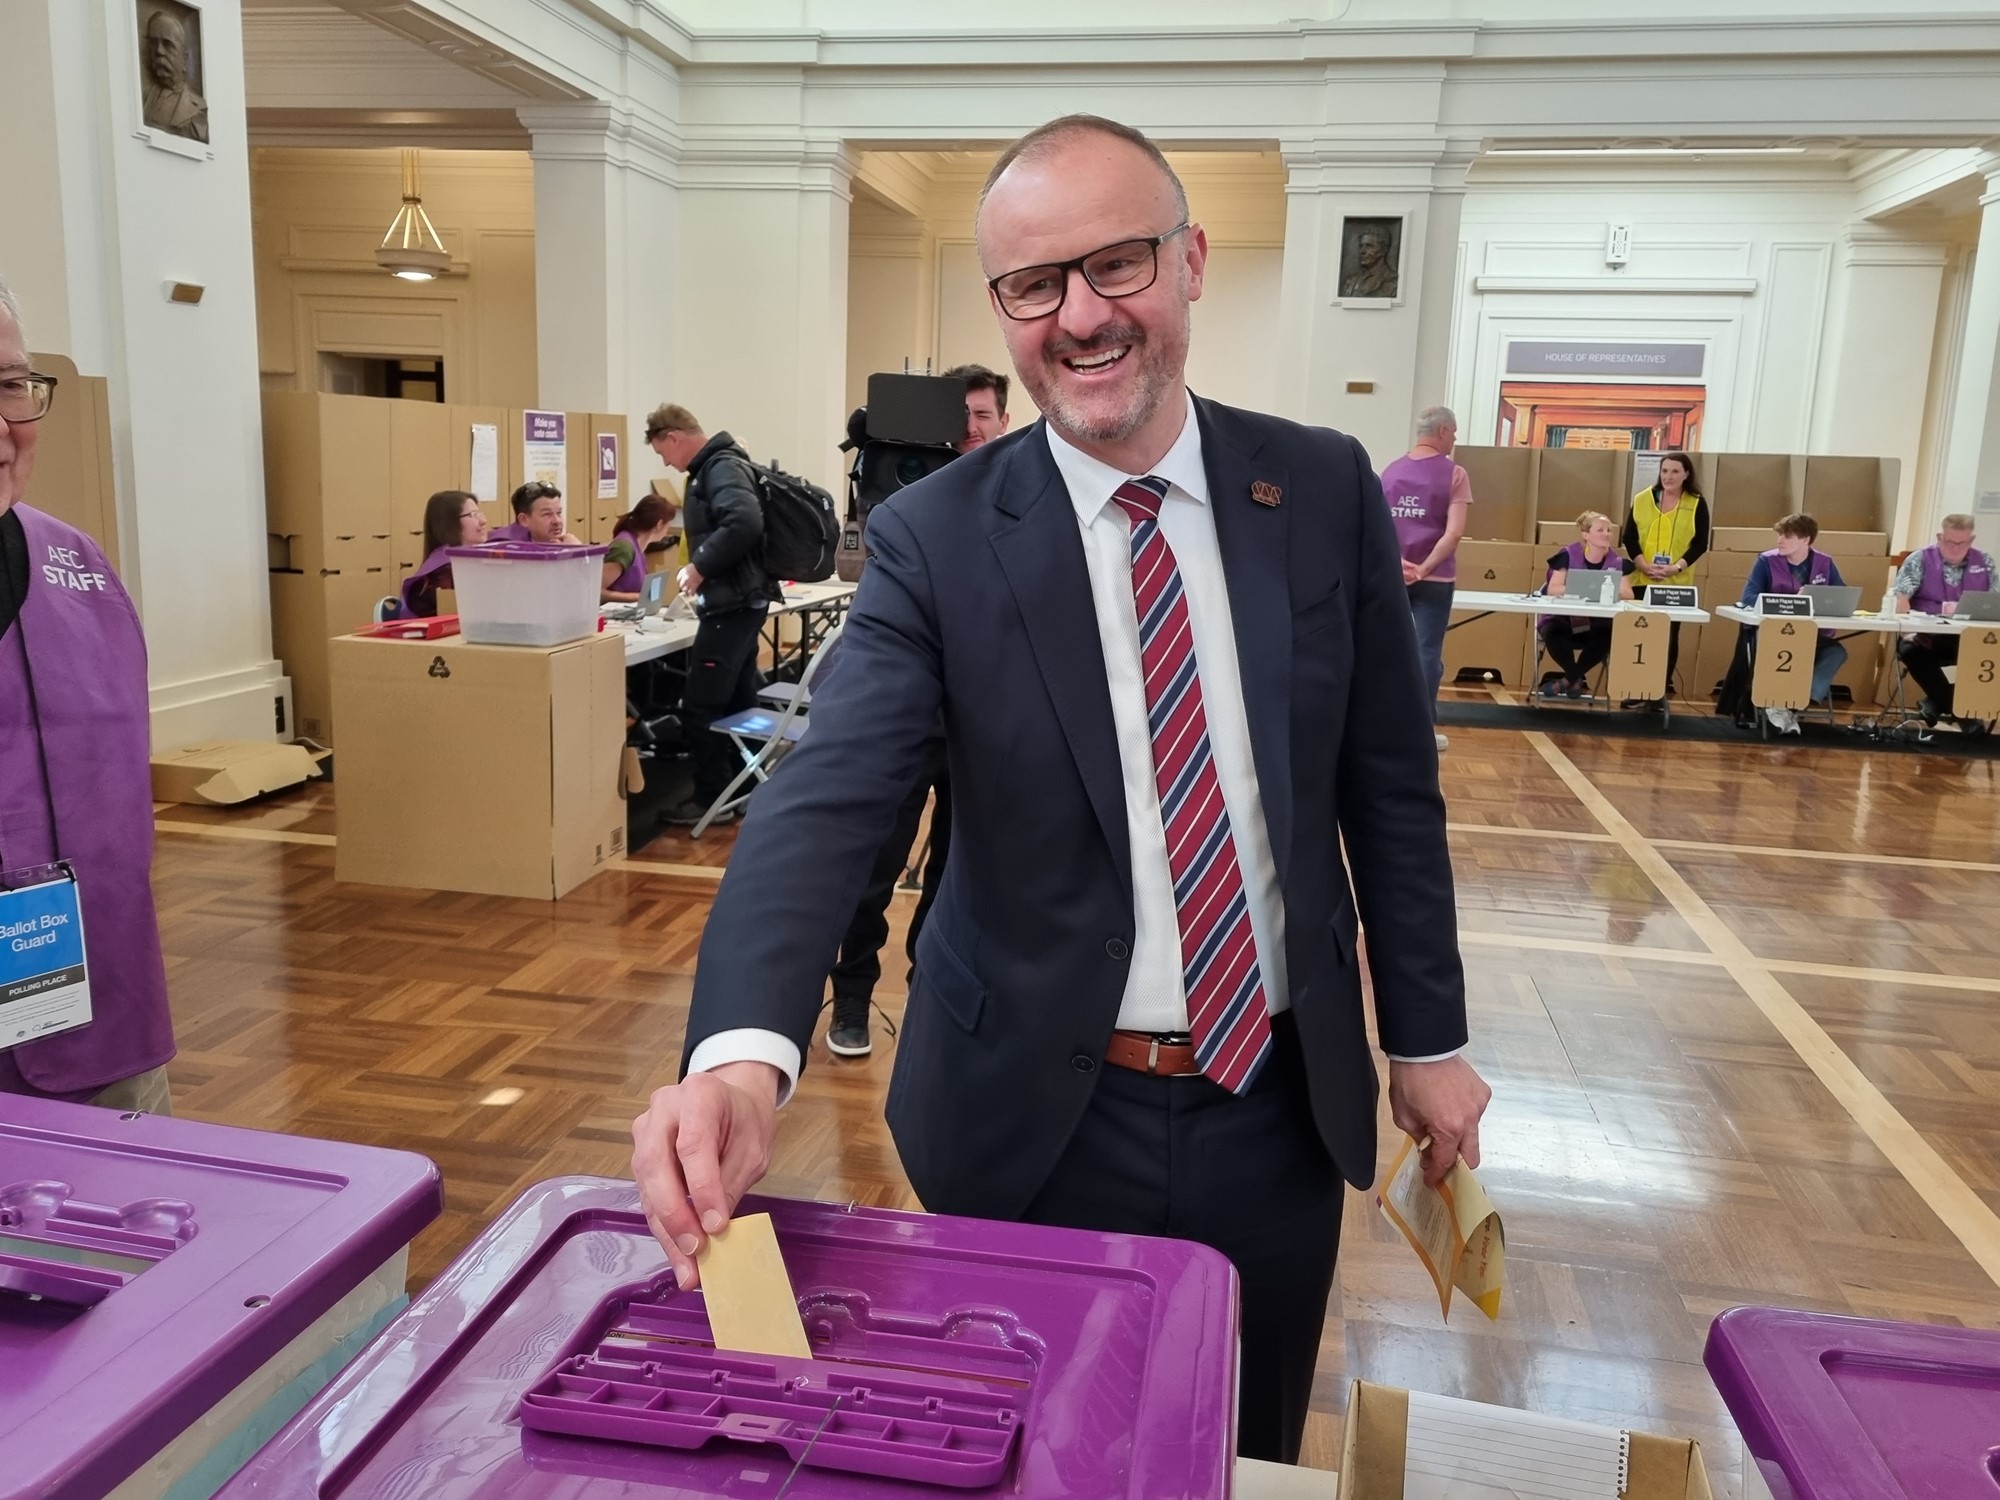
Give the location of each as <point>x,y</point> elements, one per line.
<point>1246,1176</point>
<point>859,964</point>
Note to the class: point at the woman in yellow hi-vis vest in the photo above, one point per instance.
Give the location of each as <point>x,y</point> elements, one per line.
<point>1666,532</point>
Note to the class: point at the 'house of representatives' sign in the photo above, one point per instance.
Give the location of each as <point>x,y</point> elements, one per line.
<point>1659,361</point>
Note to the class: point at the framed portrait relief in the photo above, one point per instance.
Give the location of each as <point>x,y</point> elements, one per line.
<point>1371,260</point>
<point>172,107</point>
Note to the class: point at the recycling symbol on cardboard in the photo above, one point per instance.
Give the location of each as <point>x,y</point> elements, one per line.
<point>438,668</point>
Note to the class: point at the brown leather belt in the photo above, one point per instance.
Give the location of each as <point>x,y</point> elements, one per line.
<point>1162,1055</point>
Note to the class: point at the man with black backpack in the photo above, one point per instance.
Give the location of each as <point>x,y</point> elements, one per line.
<point>723,511</point>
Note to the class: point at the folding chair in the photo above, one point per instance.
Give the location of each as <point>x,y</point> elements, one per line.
<point>765,735</point>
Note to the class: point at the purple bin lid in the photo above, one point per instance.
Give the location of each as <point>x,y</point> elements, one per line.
<point>530,551</point>
<point>556,1359</point>
<point>150,1265</point>
<point>1839,1408</point>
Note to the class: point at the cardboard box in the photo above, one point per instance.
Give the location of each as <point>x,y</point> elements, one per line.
<point>1851,494</point>
<point>1372,1454</point>
<point>418,719</point>
<point>1495,647</point>
<point>1750,490</point>
<point>1503,491</point>
<point>225,772</point>
<point>1570,481</point>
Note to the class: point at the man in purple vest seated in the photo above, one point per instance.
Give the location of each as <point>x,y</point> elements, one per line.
<point>1785,569</point>
<point>538,516</point>
<point>1930,582</point>
<point>74,789</point>
<point>1427,495</point>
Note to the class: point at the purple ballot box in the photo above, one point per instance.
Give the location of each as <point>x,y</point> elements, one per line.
<point>556,1359</point>
<point>1837,1408</point>
<point>163,1282</point>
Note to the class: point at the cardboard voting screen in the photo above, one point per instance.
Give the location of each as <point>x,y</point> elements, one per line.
<point>1638,667</point>
<point>1785,649</point>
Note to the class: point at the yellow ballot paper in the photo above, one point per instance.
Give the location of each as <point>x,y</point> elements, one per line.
<point>1453,1227</point>
<point>751,1308</point>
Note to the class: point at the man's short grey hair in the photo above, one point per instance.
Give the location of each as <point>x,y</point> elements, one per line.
<point>11,306</point>
<point>1434,419</point>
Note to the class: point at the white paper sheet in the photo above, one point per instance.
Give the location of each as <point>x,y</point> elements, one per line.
<point>486,462</point>
<point>1463,1450</point>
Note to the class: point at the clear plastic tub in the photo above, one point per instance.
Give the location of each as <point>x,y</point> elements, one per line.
<point>526,593</point>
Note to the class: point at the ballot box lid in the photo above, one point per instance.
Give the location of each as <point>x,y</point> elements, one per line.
<point>557,1358</point>
<point>1859,1409</point>
<point>150,1265</point>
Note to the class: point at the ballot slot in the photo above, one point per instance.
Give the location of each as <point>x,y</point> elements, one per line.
<point>55,1248</point>
<point>941,1400</point>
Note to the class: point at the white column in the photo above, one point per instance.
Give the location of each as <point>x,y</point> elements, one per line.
<point>1972,451</point>
<point>607,232</point>
<point>1878,352</point>
<point>763,297</point>
<point>102,215</point>
<point>1399,346</point>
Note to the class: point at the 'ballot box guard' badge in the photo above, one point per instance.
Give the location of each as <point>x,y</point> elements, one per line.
<point>43,987</point>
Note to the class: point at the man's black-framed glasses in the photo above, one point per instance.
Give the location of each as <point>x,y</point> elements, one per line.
<point>26,398</point>
<point>1121,270</point>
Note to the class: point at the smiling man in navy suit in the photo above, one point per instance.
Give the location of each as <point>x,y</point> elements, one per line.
<point>1171,646</point>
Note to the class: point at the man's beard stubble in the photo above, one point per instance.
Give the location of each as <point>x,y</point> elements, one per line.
<point>1157,380</point>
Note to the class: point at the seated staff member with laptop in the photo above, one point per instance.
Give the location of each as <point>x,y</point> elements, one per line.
<point>452,518</point>
<point>1792,565</point>
<point>1576,644</point>
<point>1931,581</point>
<point>640,527</point>
<point>1667,532</point>
<point>538,516</point>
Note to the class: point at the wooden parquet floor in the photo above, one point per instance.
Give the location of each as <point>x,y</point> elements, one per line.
<point>1659,1147</point>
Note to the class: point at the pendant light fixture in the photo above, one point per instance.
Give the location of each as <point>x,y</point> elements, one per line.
<point>411,250</point>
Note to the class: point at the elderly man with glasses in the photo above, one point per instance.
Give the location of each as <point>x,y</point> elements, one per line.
<point>86,1019</point>
<point>1172,650</point>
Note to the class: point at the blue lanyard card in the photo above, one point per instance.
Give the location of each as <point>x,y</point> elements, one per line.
<point>44,989</point>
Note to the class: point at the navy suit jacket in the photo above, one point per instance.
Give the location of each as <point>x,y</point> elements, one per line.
<point>977,604</point>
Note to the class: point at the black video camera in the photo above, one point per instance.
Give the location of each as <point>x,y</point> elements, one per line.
<point>909,429</point>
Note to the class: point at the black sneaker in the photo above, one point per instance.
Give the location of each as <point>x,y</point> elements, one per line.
<point>689,811</point>
<point>849,1038</point>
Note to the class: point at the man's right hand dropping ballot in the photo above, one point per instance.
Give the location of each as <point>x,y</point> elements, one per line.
<point>699,1147</point>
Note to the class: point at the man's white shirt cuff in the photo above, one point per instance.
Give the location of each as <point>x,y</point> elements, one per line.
<point>1439,1057</point>
<point>751,1044</point>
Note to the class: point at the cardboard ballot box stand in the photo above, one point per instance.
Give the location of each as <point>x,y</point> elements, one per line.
<point>491,769</point>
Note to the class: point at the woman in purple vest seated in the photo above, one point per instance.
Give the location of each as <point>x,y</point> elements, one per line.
<point>1931,582</point>
<point>1785,569</point>
<point>452,518</point>
<point>1578,643</point>
<point>631,534</point>
<point>74,784</point>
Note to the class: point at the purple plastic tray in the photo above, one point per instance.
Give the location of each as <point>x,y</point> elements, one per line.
<point>148,1266</point>
<point>1837,1408</point>
<point>555,1358</point>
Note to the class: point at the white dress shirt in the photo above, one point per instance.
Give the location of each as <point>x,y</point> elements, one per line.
<point>1155,991</point>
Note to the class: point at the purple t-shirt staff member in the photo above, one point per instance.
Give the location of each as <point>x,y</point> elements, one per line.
<point>74,781</point>
<point>452,518</point>
<point>538,516</point>
<point>1427,495</point>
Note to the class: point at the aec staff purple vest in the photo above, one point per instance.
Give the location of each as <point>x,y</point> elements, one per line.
<point>420,589</point>
<point>1933,592</point>
<point>1579,558</point>
<point>633,579</point>
<point>1419,494</point>
<point>1816,570</point>
<point>78,643</point>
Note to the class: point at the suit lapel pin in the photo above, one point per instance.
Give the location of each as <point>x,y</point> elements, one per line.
<point>1265,493</point>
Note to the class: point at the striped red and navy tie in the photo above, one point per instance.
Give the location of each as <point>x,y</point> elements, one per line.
<point>1227,1014</point>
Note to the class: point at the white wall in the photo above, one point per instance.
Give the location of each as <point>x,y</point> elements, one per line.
<point>129,218</point>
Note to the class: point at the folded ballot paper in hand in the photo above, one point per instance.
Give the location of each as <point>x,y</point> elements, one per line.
<point>1453,1227</point>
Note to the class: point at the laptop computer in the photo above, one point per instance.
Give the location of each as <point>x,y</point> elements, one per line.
<point>1590,586</point>
<point>1980,604</point>
<point>1832,601</point>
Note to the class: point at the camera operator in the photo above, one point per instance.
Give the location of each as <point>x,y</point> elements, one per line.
<point>859,964</point>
